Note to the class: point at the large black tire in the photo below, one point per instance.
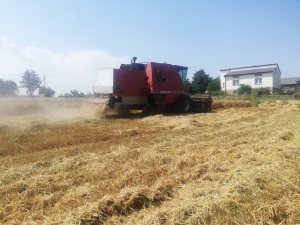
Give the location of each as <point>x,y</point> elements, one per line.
<point>183,104</point>
<point>110,103</point>
<point>209,104</point>
<point>148,110</point>
<point>123,110</point>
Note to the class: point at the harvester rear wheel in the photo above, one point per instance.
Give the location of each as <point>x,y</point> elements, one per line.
<point>183,104</point>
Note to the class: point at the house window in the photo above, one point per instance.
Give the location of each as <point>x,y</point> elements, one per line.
<point>258,75</point>
<point>235,82</point>
<point>258,81</point>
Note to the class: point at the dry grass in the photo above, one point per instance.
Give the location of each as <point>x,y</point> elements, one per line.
<point>231,103</point>
<point>232,166</point>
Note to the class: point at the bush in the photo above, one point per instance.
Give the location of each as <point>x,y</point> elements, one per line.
<point>46,91</point>
<point>244,89</point>
<point>261,92</point>
<point>297,96</point>
<point>214,85</point>
<point>218,93</point>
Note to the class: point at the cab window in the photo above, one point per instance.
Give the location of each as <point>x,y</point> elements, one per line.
<point>160,75</point>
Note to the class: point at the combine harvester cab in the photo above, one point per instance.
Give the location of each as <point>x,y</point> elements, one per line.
<point>154,88</point>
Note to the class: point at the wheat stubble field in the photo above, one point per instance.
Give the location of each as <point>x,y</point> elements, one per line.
<point>62,162</point>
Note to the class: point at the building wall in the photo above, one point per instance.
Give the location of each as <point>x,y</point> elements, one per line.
<point>249,79</point>
<point>222,80</point>
<point>276,81</point>
<point>269,80</point>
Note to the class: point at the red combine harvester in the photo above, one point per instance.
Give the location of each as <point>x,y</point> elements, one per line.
<point>154,88</point>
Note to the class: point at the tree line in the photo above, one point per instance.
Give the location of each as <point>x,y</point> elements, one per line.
<point>203,83</point>
<point>32,82</point>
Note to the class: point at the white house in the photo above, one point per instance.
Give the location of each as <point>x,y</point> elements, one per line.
<point>266,76</point>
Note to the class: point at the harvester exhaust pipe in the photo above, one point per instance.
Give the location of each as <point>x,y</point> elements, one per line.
<point>133,60</point>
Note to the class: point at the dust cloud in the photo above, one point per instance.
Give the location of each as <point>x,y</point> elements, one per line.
<point>23,111</point>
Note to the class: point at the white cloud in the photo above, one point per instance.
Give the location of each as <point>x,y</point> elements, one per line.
<point>64,71</point>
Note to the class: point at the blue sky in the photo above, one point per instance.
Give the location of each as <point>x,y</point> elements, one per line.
<point>71,41</point>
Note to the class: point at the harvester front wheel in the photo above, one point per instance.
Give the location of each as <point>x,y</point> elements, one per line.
<point>183,104</point>
<point>110,103</point>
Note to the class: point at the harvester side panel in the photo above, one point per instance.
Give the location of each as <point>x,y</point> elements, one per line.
<point>164,78</point>
<point>129,83</point>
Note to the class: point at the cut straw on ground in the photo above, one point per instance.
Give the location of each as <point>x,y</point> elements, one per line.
<point>236,165</point>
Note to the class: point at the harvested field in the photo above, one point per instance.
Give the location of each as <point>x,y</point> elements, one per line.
<point>70,165</point>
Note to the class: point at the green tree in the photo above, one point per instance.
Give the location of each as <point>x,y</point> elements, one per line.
<point>46,91</point>
<point>31,81</point>
<point>187,84</point>
<point>244,89</point>
<point>200,81</point>
<point>74,94</point>
<point>8,88</point>
<point>214,85</point>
